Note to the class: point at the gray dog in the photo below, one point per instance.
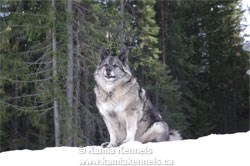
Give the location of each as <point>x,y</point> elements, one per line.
<point>124,105</point>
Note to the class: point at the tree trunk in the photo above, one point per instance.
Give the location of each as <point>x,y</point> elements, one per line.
<point>14,120</point>
<point>69,86</point>
<point>85,91</point>
<point>122,35</point>
<point>54,59</point>
<point>26,131</point>
<point>77,85</point>
<point>163,34</point>
<point>42,133</point>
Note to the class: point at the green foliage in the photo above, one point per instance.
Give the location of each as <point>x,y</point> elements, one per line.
<point>205,55</point>
<point>155,76</point>
<point>201,87</point>
<point>22,105</point>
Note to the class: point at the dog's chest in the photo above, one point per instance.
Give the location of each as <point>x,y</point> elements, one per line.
<point>112,106</point>
<point>115,104</point>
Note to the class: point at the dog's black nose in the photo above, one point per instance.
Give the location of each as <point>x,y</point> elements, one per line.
<point>108,71</point>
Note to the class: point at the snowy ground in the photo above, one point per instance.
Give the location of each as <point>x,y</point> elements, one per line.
<point>213,150</point>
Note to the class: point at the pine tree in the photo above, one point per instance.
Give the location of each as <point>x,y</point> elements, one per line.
<point>202,40</point>
<point>33,79</point>
<point>25,65</point>
<point>151,71</point>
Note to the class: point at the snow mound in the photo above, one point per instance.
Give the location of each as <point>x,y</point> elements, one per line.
<point>221,150</point>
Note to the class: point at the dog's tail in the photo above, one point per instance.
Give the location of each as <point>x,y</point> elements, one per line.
<point>174,135</point>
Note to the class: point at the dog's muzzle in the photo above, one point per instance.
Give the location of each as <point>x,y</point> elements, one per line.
<point>108,73</point>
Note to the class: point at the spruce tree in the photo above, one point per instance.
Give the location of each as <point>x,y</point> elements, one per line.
<point>151,72</point>
<point>204,50</point>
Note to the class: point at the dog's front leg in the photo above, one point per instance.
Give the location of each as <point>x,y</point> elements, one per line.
<point>112,135</point>
<point>131,125</point>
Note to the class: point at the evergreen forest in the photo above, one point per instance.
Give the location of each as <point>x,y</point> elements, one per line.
<point>187,54</point>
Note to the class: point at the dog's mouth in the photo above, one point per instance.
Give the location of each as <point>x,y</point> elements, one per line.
<point>110,76</point>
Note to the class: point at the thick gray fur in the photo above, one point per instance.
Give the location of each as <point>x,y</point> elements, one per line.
<point>124,105</point>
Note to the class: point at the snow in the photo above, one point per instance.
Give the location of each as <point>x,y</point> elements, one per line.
<point>212,150</point>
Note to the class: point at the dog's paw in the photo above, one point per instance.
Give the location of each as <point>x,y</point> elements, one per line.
<point>108,145</point>
<point>126,140</point>
<point>105,144</point>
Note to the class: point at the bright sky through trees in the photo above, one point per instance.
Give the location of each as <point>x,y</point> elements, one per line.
<point>246,6</point>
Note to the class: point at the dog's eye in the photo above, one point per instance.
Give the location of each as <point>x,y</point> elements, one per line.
<point>105,65</point>
<point>115,66</point>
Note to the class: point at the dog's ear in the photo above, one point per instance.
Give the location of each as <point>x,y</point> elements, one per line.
<point>124,56</point>
<point>103,54</point>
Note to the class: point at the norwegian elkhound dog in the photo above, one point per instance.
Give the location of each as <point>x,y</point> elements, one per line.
<point>124,105</point>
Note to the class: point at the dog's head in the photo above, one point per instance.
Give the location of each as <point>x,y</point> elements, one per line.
<point>112,69</point>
